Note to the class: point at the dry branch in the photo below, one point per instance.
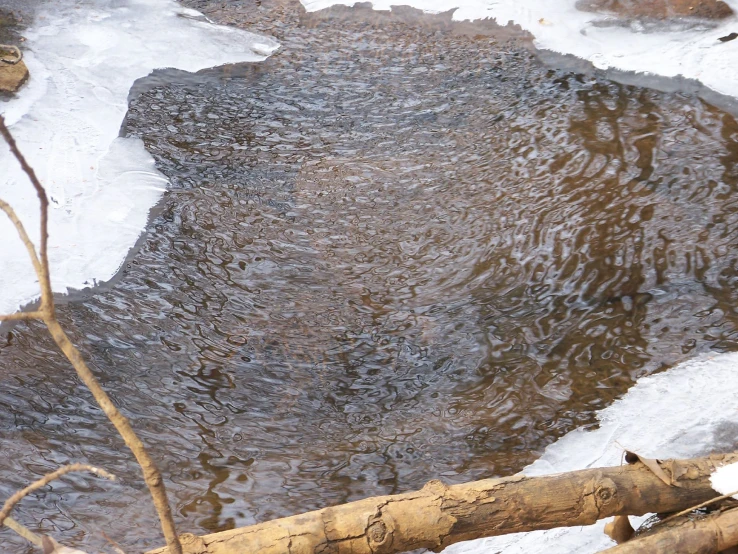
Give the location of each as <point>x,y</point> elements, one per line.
<point>46,312</point>
<point>42,268</point>
<point>45,480</point>
<point>21,316</point>
<point>697,507</point>
<point>23,531</point>
<point>439,515</point>
<point>21,230</point>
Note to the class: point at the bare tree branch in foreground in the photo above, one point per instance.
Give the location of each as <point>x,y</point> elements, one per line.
<point>47,314</point>
<point>45,480</point>
<point>438,515</point>
<point>23,531</point>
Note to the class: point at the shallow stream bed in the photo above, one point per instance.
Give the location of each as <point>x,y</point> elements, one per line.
<point>399,249</point>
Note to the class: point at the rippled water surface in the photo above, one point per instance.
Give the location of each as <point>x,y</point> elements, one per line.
<point>394,251</point>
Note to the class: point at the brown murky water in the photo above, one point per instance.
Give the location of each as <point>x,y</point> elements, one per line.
<point>393,252</point>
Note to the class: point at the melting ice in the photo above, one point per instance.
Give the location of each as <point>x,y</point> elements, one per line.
<point>83,57</point>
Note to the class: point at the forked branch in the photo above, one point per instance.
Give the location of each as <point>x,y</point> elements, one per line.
<point>45,480</point>
<point>47,314</point>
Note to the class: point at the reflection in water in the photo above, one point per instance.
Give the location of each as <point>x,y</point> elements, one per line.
<point>390,253</point>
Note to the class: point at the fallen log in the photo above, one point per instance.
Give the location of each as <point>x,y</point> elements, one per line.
<point>439,515</point>
<point>706,535</point>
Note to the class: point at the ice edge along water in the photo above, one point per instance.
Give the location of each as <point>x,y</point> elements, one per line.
<point>691,409</point>
<point>83,58</point>
<point>685,48</point>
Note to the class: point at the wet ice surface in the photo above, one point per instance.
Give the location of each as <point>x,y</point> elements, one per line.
<point>391,253</point>
<point>683,47</point>
<point>83,58</point>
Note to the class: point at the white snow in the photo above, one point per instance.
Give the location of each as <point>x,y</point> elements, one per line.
<point>83,56</point>
<point>677,49</point>
<point>689,410</point>
<point>725,479</point>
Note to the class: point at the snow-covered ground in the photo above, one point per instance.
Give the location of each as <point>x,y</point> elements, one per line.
<point>83,57</point>
<point>680,48</point>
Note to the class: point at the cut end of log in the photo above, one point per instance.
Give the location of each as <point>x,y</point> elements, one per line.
<point>13,76</point>
<point>619,529</point>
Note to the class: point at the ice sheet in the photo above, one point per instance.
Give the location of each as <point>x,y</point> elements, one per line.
<point>681,48</point>
<point>83,57</point>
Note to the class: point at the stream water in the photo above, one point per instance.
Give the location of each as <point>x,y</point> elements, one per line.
<point>397,250</point>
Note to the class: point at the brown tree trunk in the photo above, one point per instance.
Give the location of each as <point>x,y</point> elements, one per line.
<point>438,515</point>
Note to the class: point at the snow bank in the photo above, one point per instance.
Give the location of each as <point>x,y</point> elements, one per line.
<point>686,48</point>
<point>689,410</point>
<point>84,56</point>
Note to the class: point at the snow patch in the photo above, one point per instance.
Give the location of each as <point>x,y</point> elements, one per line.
<point>684,47</point>
<point>83,57</point>
<point>725,479</point>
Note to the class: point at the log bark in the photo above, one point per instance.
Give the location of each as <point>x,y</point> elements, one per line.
<point>438,515</point>
<point>706,535</point>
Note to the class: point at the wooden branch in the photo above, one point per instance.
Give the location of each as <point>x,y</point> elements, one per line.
<point>152,475</point>
<point>21,316</point>
<point>4,206</point>
<point>45,480</point>
<point>697,507</point>
<point>44,276</point>
<point>23,531</point>
<point>706,535</point>
<point>439,515</point>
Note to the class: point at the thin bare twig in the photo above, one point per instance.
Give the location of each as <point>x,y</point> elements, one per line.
<point>21,316</point>
<point>13,217</point>
<point>152,475</point>
<point>23,531</point>
<point>45,480</point>
<point>44,277</point>
<point>113,544</point>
